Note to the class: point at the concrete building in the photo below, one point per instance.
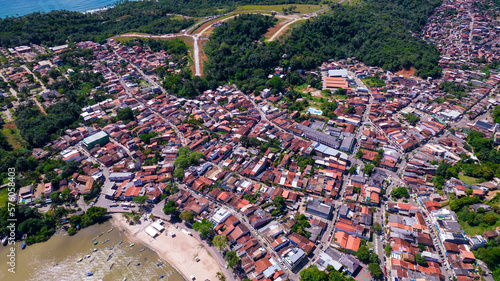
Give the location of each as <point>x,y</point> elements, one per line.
<point>100,138</point>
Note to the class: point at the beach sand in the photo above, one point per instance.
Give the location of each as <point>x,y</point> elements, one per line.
<point>179,251</point>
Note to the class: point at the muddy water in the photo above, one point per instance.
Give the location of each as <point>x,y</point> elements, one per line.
<point>57,259</point>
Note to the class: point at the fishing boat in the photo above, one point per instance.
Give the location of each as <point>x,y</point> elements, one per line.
<point>137,264</point>
<point>110,256</point>
<point>92,260</point>
<point>111,266</point>
<point>105,241</point>
<point>159,264</point>
<point>5,240</point>
<point>129,263</point>
<point>111,248</point>
<point>55,265</point>
<point>131,245</point>
<point>124,279</point>
<point>119,243</point>
<point>95,250</point>
<point>81,259</point>
<point>111,229</point>
<point>161,276</point>
<point>94,239</point>
<point>142,250</point>
<point>87,256</point>
<point>101,234</point>
<point>23,246</point>
<point>90,273</point>
<point>96,242</point>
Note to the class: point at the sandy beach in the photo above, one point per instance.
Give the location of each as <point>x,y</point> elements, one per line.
<point>180,251</point>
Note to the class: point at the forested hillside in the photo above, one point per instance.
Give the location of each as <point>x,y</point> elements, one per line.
<point>376,33</point>
<point>141,16</point>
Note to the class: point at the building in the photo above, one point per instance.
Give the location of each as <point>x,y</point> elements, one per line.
<point>334,83</point>
<point>293,257</point>
<point>347,144</point>
<point>317,208</point>
<point>319,136</point>
<point>100,138</point>
<point>120,176</point>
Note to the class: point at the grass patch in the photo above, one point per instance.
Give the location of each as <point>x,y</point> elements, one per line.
<point>12,135</point>
<point>468,180</point>
<point>301,8</point>
<point>4,196</point>
<point>480,229</point>
<point>373,82</point>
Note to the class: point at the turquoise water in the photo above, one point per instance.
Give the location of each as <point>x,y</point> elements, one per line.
<point>24,7</point>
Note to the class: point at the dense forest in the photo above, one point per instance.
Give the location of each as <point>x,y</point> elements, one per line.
<point>377,33</point>
<point>235,52</point>
<point>55,27</point>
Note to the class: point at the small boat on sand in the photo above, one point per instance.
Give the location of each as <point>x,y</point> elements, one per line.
<point>90,273</point>
<point>101,234</point>
<point>105,241</point>
<point>137,264</point>
<point>92,260</point>
<point>96,242</point>
<point>95,250</point>
<point>81,259</point>
<point>94,239</point>
<point>111,266</point>
<point>111,229</point>
<point>159,264</point>
<point>87,256</point>
<point>132,244</point>
<point>121,241</point>
<point>142,250</point>
<point>112,247</point>
<point>129,263</point>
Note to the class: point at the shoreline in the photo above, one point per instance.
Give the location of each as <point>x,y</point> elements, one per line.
<point>178,251</point>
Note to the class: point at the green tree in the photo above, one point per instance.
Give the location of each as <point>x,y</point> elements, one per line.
<point>421,260</point>
<point>490,218</point>
<point>179,173</point>
<point>232,259</point>
<point>359,154</point>
<point>388,250</point>
<point>126,115</point>
<point>377,227</point>
<point>169,208</point>
<point>375,270</point>
<point>220,242</point>
<point>374,258</point>
<point>368,169</point>
<point>400,192</point>
<point>352,170</point>
<point>363,253</point>
<point>141,200</point>
<point>205,228</point>
<point>55,197</point>
<point>276,83</point>
<point>65,194</point>
<point>312,273</point>
<point>187,216</point>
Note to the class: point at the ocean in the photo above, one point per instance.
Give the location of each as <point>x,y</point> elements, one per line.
<point>24,7</point>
